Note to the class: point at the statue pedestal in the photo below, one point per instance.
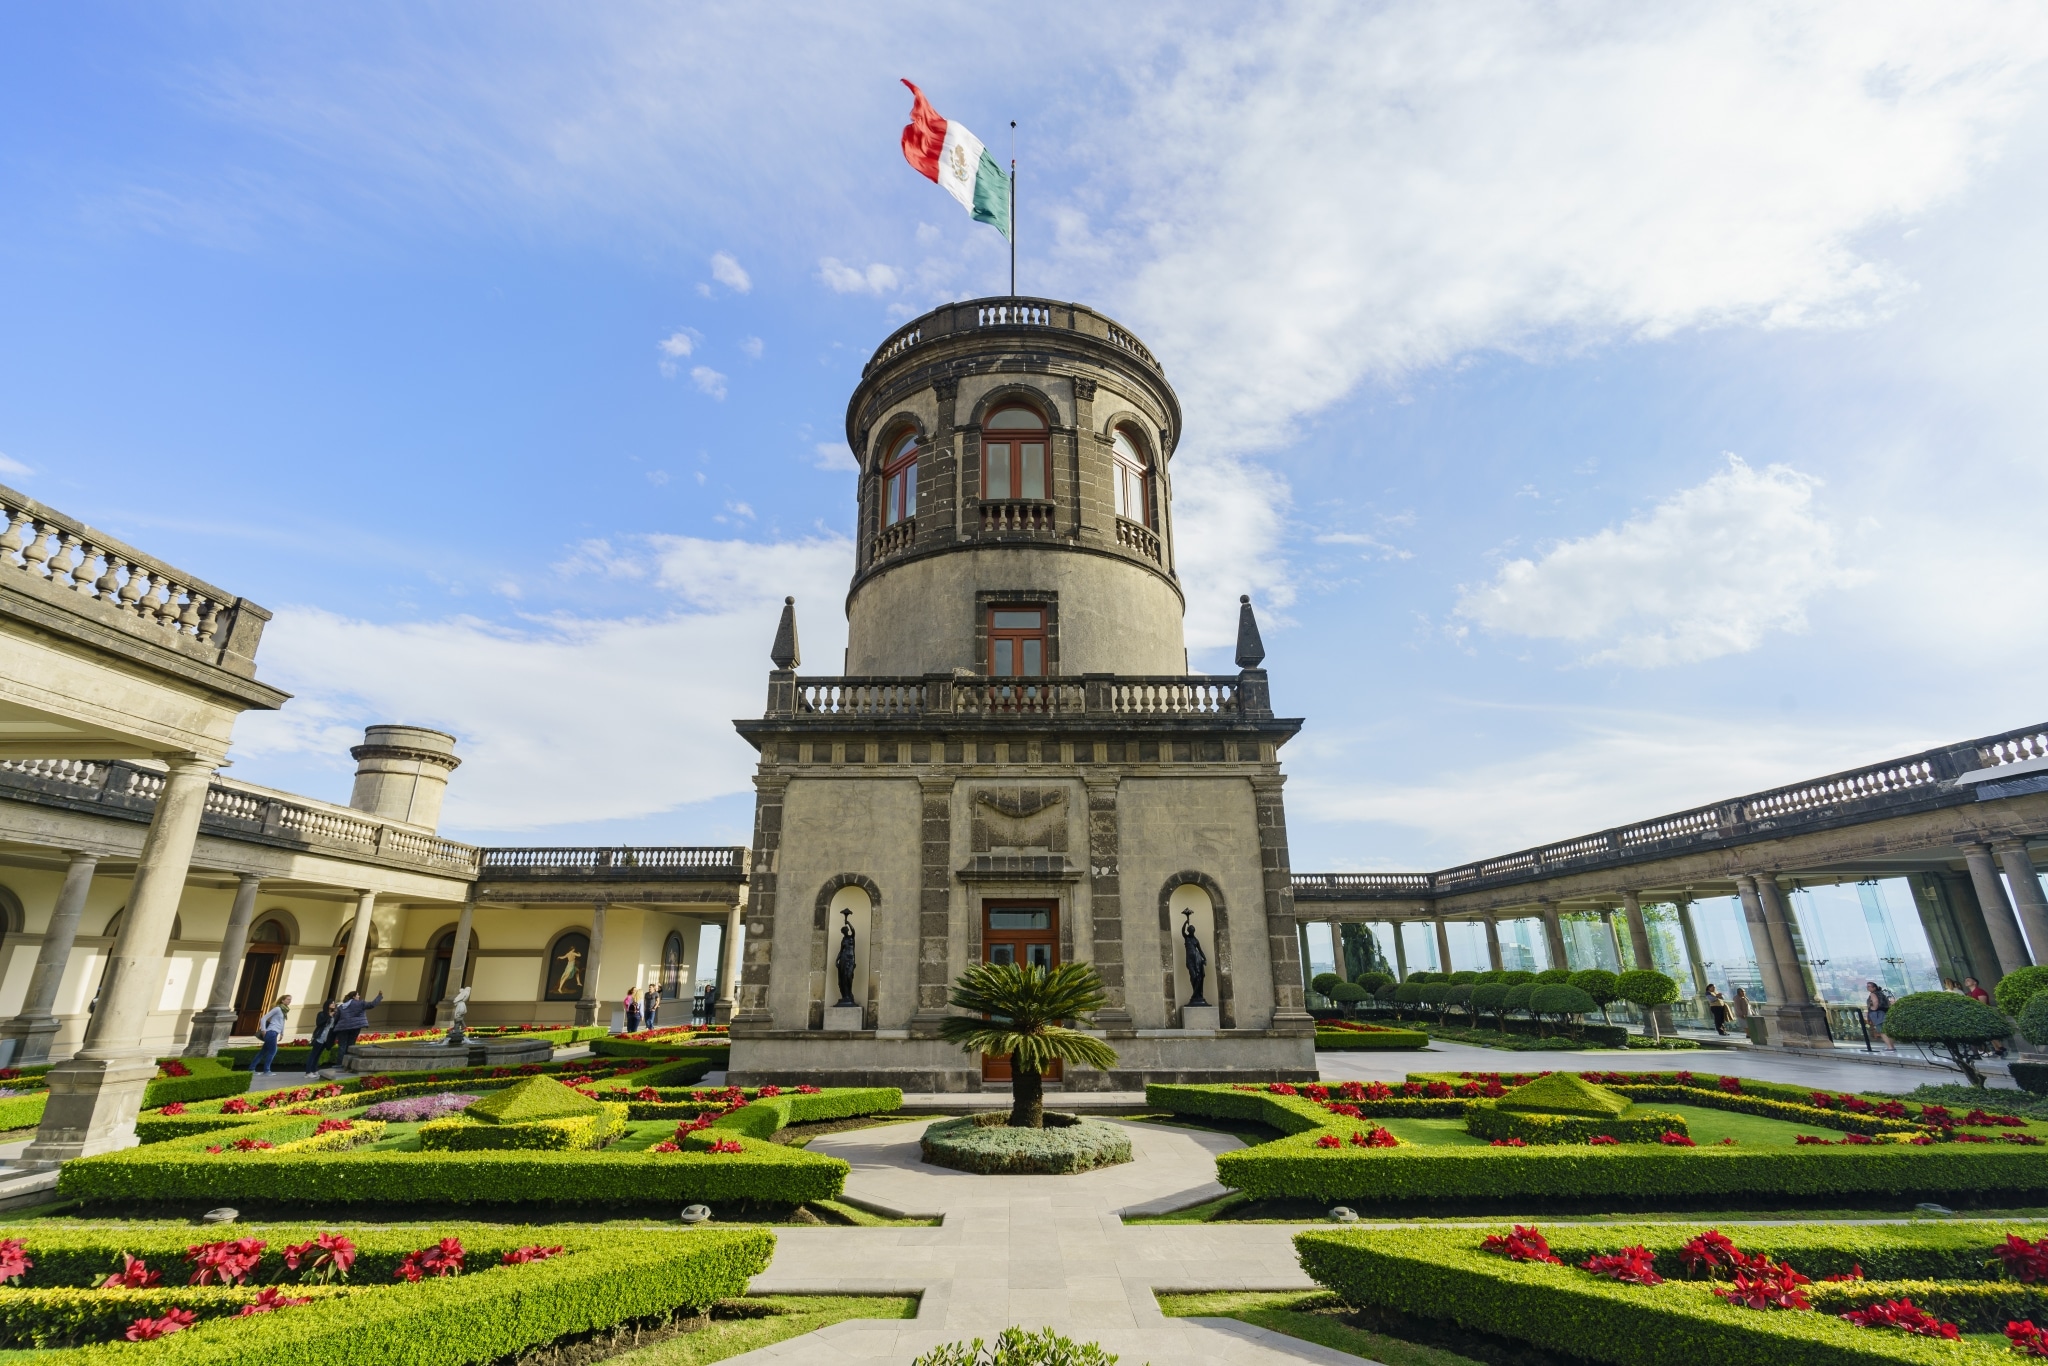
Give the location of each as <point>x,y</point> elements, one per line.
<point>1208,1018</point>
<point>843,1018</point>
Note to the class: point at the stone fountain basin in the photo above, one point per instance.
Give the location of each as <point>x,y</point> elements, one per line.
<point>431,1055</point>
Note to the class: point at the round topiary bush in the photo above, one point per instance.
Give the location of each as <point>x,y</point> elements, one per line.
<point>1373,981</point>
<point>1464,978</point>
<point>985,1144</point>
<point>1518,996</point>
<point>1490,998</point>
<point>1550,977</point>
<point>1516,977</point>
<point>1560,1001</point>
<point>1648,988</point>
<point>1323,981</point>
<point>1962,1028</point>
<point>2017,988</point>
<point>2034,1022</point>
<point>1346,993</point>
<point>1597,983</point>
<point>1409,993</point>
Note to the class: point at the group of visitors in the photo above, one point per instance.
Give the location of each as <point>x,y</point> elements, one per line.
<point>1722,1009</point>
<point>643,1009</point>
<point>336,1027</point>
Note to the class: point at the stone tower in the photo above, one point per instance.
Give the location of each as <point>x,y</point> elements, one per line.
<point>1016,764</point>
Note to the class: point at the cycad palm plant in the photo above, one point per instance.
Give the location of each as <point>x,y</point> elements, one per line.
<point>1017,1013</point>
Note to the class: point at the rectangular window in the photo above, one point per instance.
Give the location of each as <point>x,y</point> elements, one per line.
<point>998,471</point>
<point>1032,481</point>
<point>1015,469</point>
<point>900,496</point>
<point>1016,642</point>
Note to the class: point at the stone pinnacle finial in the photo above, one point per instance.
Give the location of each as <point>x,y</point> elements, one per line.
<point>1251,651</point>
<point>784,653</point>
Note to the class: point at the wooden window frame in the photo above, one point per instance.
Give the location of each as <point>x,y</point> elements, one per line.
<point>1017,636</point>
<point>1014,439</point>
<point>1140,473</point>
<point>896,506</point>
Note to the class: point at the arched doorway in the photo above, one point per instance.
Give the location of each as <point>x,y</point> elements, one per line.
<point>440,962</point>
<point>262,966</point>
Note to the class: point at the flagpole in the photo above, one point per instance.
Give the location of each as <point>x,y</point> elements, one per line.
<point>1013,208</point>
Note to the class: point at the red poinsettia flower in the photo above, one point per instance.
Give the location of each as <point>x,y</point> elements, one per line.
<point>1525,1244</point>
<point>148,1329</point>
<point>1631,1266</point>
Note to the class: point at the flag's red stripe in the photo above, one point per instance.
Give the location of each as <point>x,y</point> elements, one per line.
<point>924,137</point>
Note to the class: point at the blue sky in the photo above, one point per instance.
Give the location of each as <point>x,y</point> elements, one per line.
<point>1610,410</point>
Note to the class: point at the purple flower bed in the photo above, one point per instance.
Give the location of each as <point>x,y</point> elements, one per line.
<point>418,1108</point>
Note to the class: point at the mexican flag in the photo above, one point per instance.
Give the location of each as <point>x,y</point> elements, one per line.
<point>957,160</point>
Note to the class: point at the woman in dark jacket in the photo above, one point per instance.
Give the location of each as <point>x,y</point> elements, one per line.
<point>323,1031</point>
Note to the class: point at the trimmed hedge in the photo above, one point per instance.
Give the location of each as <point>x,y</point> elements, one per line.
<point>180,1169</point>
<point>487,1312</point>
<point>1487,1119</point>
<point>766,1115</point>
<point>659,1048</point>
<point>209,1079</point>
<point>570,1133</point>
<point>63,1316</point>
<point>1377,1038</point>
<point>1442,1274</point>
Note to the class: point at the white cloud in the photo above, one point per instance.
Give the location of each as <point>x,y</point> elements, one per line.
<point>730,273</point>
<point>1370,547</point>
<point>845,279</point>
<point>1710,571</point>
<point>709,380</point>
<point>836,455</point>
<point>673,348</point>
<point>650,727</point>
<point>9,465</point>
<point>657,477</point>
<point>752,346</point>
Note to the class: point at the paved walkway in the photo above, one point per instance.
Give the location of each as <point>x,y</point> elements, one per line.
<point>1038,1251</point>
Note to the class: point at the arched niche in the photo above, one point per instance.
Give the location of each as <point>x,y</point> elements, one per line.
<point>848,900</point>
<point>1195,899</point>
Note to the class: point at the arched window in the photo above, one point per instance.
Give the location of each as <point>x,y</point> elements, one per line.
<point>1132,477</point>
<point>899,481</point>
<point>1013,463</point>
<point>672,966</point>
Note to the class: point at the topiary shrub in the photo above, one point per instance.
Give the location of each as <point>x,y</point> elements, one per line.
<point>1323,981</point>
<point>985,1144</point>
<point>1648,988</point>
<point>1491,998</point>
<point>1346,994</point>
<point>1960,1028</point>
<point>2017,988</point>
<point>1561,1093</point>
<point>1463,978</point>
<point>1460,997</point>
<point>1553,977</point>
<point>1516,977</point>
<point>1373,981</point>
<point>1599,984</point>
<point>1559,1003</point>
<point>1409,993</point>
<point>2033,1023</point>
<point>1493,975</point>
<point>532,1099</point>
<point>1518,997</point>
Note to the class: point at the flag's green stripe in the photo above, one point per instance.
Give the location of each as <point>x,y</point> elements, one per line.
<point>992,194</point>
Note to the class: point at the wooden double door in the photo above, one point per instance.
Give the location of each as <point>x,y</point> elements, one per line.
<point>1026,932</point>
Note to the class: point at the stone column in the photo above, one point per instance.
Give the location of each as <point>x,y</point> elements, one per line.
<point>1759,938</point>
<point>1639,949</point>
<point>1105,905</point>
<point>1493,943</point>
<point>1289,1014</point>
<point>1553,935</point>
<point>358,943</point>
<point>2026,891</point>
<point>1443,947</point>
<point>458,963</point>
<point>935,905</point>
<point>1400,952</point>
<point>728,963</point>
<point>1638,931</point>
<point>94,1096</point>
<point>36,1026</point>
<point>1691,937</point>
<point>1999,919</point>
<point>1337,963</point>
<point>212,1025</point>
<point>588,1006</point>
<point>1799,1020</point>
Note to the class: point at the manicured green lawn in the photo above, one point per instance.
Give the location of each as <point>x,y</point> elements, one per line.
<point>1431,1133</point>
<point>1313,1317</point>
<point>1749,1131</point>
<point>788,1317</point>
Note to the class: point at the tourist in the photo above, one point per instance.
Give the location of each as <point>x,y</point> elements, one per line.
<point>272,1029</point>
<point>1877,1003</point>
<point>351,1020</point>
<point>323,1031</point>
<point>653,1009</point>
<point>1951,984</point>
<point>1974,989</point>
<point>1741,1008</point>
<point>1717,1008</point>
<point>632,1011</point>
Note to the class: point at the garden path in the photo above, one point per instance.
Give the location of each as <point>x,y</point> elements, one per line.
<point>1038,1251</point>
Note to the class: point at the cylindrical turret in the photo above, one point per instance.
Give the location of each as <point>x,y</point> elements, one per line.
<point>1015,507</point>
<point>402,773</point>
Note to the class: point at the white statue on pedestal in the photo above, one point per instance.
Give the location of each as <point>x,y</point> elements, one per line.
<point>457,1015</point>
